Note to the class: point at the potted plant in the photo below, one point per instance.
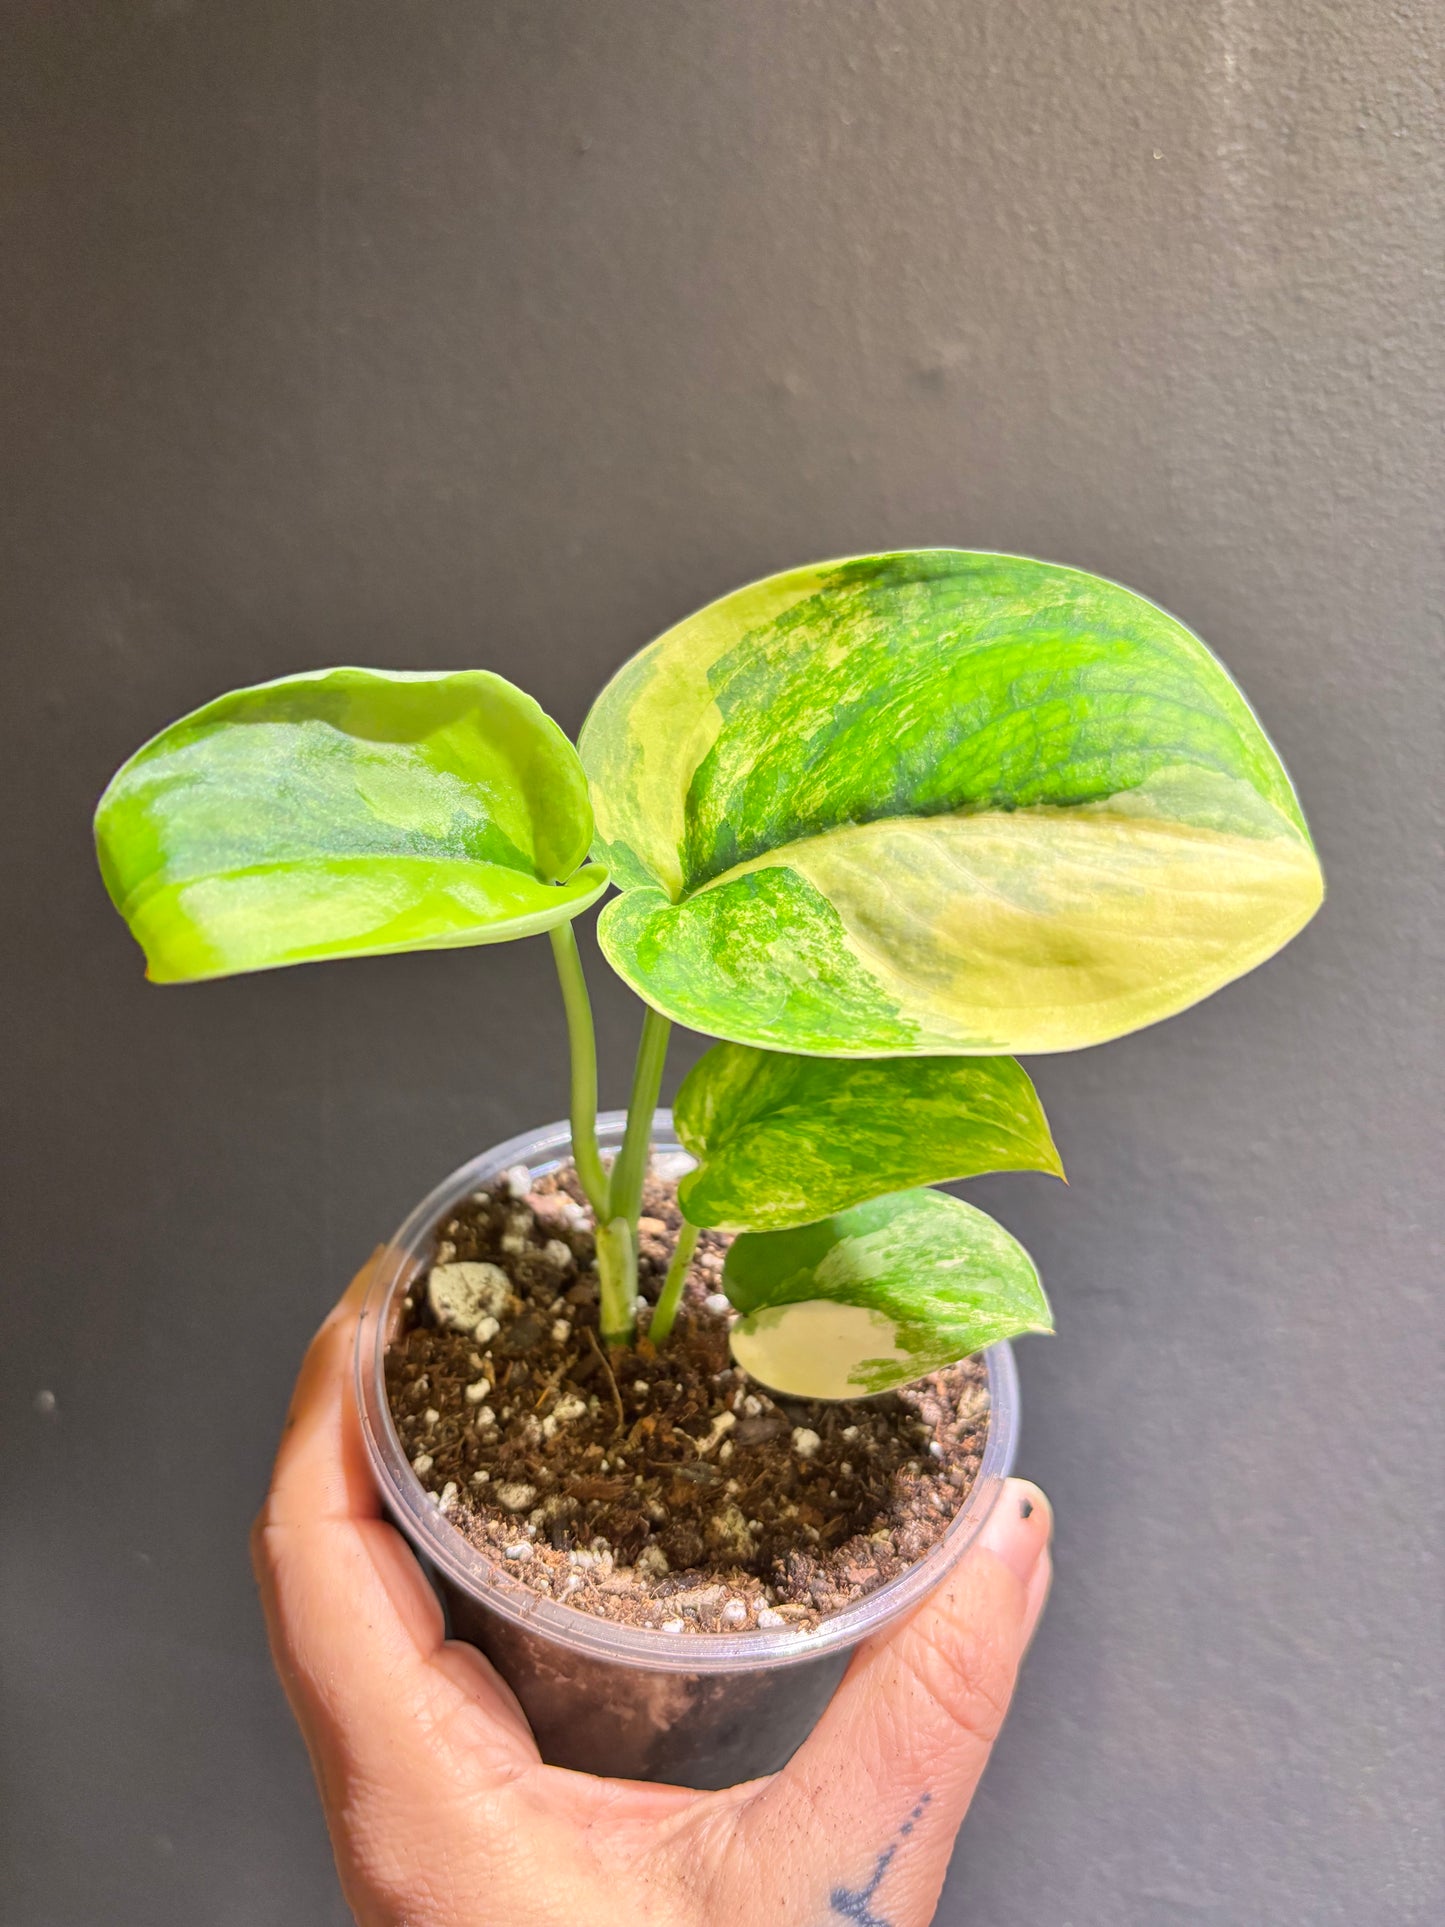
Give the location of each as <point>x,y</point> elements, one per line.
<point>680,1406</point>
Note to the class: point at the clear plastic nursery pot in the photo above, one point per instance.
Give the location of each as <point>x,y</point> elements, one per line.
<point>692,1709</point>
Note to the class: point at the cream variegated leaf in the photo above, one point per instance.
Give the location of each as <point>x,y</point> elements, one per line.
<point>345,813</point>
<point>874,1297</point>
<point>938,802</point>
<point>783,1140</point>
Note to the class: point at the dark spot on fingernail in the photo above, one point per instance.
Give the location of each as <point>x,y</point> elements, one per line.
<point>1026,1508</point>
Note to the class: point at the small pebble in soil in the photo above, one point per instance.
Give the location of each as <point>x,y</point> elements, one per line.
<point>422,1464</point>
<point>515,1496</point>
<point>770,1617</point>
<point>458,1295</point>
<point>717,1303</point>
<point>805,1442</point>
<point>520,1549</point>
<point>478,1390</point>
<point>734,1613</point>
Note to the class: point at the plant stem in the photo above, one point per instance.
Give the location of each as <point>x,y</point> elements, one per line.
<point>631,1165</point>
<point>580,1035</point>
<point>617,1282</point>
<point>670,1296</point>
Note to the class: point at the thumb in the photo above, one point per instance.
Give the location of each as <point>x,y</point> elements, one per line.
<point>879,1789</point>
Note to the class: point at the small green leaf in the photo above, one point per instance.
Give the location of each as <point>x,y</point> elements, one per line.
<point>934,803</point>
<point>783,1140</point>
<point>877,1296</point>
<point>346,813</point>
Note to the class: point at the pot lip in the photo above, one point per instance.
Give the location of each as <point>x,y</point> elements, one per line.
<point>448,1552</point>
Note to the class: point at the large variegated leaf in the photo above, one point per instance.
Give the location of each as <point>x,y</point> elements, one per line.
<point>783,1140</point>
<point>345,813</point>
<point>877,1296</point>
<point>938,802</point>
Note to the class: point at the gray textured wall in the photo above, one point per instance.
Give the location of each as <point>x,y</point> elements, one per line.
<point>448,333</point>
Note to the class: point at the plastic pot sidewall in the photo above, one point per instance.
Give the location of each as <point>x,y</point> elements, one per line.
<point>690,1709</point>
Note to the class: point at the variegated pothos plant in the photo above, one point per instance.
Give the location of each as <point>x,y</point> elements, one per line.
<point>875,824</point>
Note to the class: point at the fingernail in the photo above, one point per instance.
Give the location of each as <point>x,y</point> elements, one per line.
<point>1034,1600</point>
<point>1018,1529</point>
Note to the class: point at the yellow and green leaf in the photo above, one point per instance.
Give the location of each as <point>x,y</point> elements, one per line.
<point>783,1140</point>
<point>877,1296</point>
<point>346,813</point>
<point>938,802</point>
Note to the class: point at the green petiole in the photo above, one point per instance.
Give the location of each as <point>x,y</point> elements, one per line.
<point>631,1165</point>
<point>615,1203</point>
<point>585,1154</point>
<point>660,1330</point>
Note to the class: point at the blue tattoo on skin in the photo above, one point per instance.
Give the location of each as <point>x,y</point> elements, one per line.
<point>856,1903</point>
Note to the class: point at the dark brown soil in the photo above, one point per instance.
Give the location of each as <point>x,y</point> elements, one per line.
<point>658,1488</point>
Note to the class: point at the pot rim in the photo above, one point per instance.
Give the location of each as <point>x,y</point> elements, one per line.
<point>444,1547</point>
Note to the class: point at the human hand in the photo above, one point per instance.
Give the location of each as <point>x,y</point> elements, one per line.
<point>442,1814</point>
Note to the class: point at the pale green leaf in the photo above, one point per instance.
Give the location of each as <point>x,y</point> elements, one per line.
<point>346,813</point>
<point>938,802</point>
<point>877,1296</point>
<point>782,1140</point>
